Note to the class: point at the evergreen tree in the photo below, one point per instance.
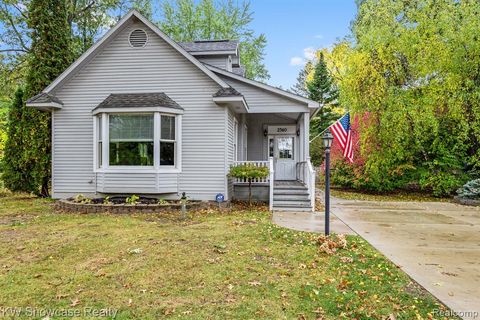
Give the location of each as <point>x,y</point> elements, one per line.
<point>49,55</point>
<point>323,90</point>
<point>14,178</point>
<point>300,87</point>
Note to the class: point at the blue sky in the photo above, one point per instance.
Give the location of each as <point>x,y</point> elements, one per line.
<point>294,27</point>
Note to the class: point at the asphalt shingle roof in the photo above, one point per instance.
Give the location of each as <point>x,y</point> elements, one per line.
<point>138,100</point>
<point>209,45</point>
<point>227,92</point>
<point>44,98</point>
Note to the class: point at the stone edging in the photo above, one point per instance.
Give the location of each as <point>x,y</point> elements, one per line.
<point>69,206</point>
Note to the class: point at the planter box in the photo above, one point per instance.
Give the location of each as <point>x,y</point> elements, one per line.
<point>69,206</point>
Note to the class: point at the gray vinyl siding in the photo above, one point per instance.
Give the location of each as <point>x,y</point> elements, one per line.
<point>216,61</point>
<point>257,143</point>
<point>262,101</point>
<point>157,67</point>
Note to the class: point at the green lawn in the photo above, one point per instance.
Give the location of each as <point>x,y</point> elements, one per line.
<point>233,265</point>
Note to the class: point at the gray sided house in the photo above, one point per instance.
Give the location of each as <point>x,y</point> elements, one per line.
<point>141,114</point>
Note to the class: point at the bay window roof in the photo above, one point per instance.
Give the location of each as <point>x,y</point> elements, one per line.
<point>131,102</point>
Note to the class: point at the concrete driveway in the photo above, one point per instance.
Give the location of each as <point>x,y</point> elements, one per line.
<point>437,244</point>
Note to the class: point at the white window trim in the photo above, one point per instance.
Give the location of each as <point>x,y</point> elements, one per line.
<point>156,168</point>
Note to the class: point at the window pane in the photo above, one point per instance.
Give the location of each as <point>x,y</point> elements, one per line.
<point>131,127</point>
<point>285,147</point>
<point>131,153</point>
<point>167,153</point>
<point>270,147</point>
<point>168,128</point>
<point>100,132</point>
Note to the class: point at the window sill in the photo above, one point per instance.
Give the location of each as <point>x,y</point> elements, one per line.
<point>138,170</point>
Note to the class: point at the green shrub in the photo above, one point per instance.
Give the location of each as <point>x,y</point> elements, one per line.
<point>470,190</point>
<point>132,200</point>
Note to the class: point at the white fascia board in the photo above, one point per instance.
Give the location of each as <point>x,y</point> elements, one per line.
<point>134,110</point>
<point>311,104</point>
<point>239,100</point>
<point>99,44</point>
<point>45,106</point>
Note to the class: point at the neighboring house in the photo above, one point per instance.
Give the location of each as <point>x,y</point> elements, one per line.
<point>141,114</point>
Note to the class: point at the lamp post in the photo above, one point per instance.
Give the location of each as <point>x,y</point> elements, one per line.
<point>327,143</point>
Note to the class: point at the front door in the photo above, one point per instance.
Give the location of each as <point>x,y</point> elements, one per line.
<point>283,150</point>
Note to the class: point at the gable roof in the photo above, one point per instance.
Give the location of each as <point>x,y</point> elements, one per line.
<point>311,104</point>
<point>89,54</point>
<point>210,46</point>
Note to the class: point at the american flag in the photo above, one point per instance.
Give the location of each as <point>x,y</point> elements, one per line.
<point>343,134</point>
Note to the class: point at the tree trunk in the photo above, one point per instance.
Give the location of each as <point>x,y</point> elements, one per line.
<point>45,193</point>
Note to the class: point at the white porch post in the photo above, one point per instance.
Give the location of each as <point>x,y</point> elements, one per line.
<point>306,137</point>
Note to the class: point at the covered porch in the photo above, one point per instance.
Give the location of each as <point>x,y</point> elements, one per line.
<point>279,141</point>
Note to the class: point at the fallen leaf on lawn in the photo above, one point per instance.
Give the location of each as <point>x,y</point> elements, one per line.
<point>75,302</point>
<point>187,312</point>
<point>168,311</point>
<point>130,302</point>
<point>255,283</point>
<point>230,286</point>
<point>61,296</point>
<point>346,259</point>
<point>135,251</point>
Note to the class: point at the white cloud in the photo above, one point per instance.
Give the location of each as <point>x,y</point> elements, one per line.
<point>297,61</point>
<point>318,36</point>
<point>309,53</point>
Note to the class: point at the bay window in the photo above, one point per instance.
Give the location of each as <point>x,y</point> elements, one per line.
<point>142,141</point>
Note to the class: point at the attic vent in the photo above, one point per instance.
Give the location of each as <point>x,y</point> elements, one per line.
<point>138,38</point>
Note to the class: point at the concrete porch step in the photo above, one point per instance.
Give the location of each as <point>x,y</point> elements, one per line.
<point>279,209</point>
<point>292,203</point>
<point>292,192</point>
<point>290,197</point>
<point>293,187</point>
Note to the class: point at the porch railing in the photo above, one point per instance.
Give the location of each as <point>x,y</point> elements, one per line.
<point>271,166</point>
<point>306,175</point>
<point>265,180</point>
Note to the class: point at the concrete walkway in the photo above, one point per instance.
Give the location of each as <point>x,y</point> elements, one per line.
<point>437,244</point>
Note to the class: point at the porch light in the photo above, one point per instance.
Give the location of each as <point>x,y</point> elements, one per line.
<point>265,132</point>
<point>327,139</point>
<point>298,132</point>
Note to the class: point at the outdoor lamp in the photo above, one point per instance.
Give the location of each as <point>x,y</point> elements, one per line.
<point>327,139</point>
<point>327,142</point>
<point>265,133</point>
